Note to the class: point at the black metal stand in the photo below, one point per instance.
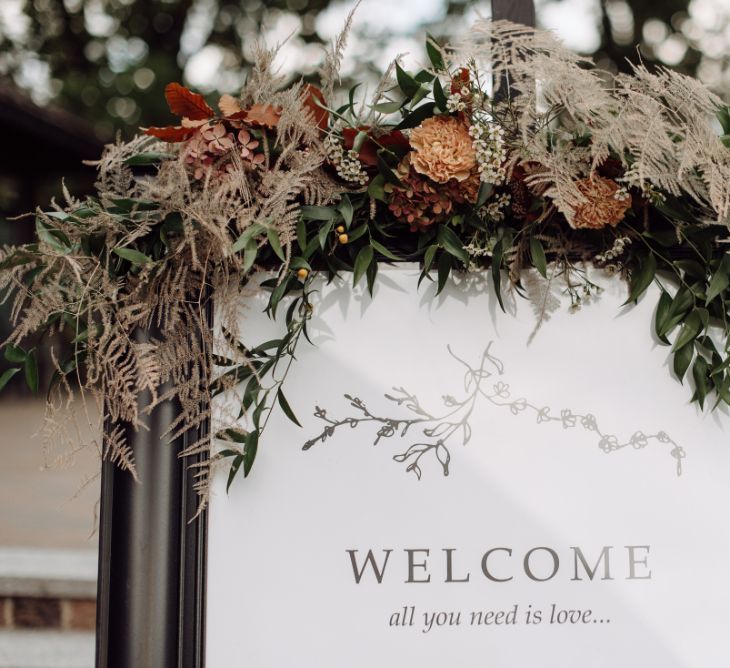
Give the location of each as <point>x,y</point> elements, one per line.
<point>150,600</point>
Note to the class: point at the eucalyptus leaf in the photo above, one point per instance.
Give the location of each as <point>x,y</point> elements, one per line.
<point>134,256</point>
<point>6,376</point>
<point>286,407</point>
<point>249,452</point>
<point>641,278</point>
<point>451,243</point>
<point>407,83</point>
<point>275,243</point>
<point>689,331</point>
<point>362,262</point>
<point>682,360</point>
<point>537,253</point>
<point>30,367</point>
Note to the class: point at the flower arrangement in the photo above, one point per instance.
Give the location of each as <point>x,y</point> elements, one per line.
<point>448,166</point>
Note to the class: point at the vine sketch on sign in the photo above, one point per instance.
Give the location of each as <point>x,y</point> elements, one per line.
<point>439,430</point>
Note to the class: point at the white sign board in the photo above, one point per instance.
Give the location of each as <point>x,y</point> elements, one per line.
<point>563,533</point>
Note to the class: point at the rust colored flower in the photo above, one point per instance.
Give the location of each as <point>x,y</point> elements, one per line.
<point>420,202</point>
<point>604,204</point>
<point>443,149</point>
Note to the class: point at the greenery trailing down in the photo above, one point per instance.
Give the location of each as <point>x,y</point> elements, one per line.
<point>439,169</point>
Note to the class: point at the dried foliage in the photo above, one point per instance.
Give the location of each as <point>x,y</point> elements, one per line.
<point>285,180</point>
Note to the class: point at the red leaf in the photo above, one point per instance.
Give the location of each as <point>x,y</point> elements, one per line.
<point>369,150</point>
<point>310,96</point>
<point>187,104</point>
<point>171,133</point>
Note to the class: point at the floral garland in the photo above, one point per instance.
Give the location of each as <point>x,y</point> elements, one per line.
<point>567,165</point>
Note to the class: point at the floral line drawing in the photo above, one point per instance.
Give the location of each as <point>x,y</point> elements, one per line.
<point>436,432</point>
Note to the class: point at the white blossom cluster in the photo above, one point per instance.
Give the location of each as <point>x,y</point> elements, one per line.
<point>488,142</point>
<point>494,210</point>
<point>346,163</point>
<point>616,251</point>
<point>455,102</point>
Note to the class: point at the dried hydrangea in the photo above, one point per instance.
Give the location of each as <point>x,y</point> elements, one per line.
<point>421,202</point>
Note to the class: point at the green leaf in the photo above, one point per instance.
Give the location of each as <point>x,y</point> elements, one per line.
<point>235,465</point>
<point>497,253</point>
<point>324,233</point>
<point>417,116</point>
<point>720,280</point>
<point>384,251</point>
<point>319,213</point>
<point>681,305</point>
<point>451,243</point>
<point>386,172</point>
<point>407,83</point>
<point>428,257</point>
<point>249,257</point>
<point>286,407</point>
<point>278,293</point>
<point>301,233</point>
<point>690,329</point>
<point>15,354</point>
<point>700,376</point>
<point>661,316</point>
<point>375,189</point>
<point>682,360</point>
<point>444,268</point>
<point>434,53</point>
<point>485,191</point>
<point>362,262</point>
<point>346,210</point>
<point>133,256</point>
<point>537,253</point>
<point>249,452</point>
<point>387,107</point>
<point>275,243</point>
<point>30,366</point>
<point>6,376</point>
<point>641,278</point>
<point>150,158</point>
<point>247,235</point>
<point>438,94</point>
<point>56,239</point>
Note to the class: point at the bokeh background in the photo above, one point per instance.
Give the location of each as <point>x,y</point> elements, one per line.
<point>76,73</point>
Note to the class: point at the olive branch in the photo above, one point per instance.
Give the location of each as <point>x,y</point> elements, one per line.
<point>441,429</point>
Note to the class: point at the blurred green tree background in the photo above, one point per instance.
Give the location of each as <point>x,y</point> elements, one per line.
<point>108,60</point>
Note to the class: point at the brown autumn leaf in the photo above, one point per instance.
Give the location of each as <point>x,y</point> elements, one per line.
<point>184,102</point>
<point>310,96</point>
<point>229,105</point>
<point>265,115</point>
<point>170,133</point>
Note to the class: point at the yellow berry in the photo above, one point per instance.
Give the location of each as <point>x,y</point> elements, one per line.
<point>340,229</point>
<point>303,273</point>
<point>343,238</point>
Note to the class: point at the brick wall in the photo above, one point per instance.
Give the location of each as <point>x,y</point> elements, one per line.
<point>31,612</point>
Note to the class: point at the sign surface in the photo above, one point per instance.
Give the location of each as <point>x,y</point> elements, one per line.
<point>583,520</point>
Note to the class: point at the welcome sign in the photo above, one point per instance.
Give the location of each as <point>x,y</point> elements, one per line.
<point>465,491</point>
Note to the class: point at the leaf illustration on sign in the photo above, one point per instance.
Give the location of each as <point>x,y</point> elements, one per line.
<point>436,432</point>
